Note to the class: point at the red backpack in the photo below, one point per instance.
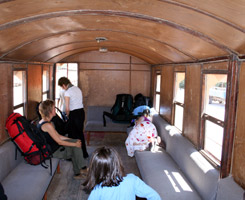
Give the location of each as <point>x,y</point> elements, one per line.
<point>27,138</point>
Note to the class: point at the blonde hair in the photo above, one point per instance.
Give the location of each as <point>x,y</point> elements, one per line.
<point>46,107</point>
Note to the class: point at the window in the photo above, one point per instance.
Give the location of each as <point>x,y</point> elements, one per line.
<point>45,79</point>
<point>19,91</point>
<point>157,91</point>
<point>179,96</point>
<point>213,116</point>
<point>69,70</point>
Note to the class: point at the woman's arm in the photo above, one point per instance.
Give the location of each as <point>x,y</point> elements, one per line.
<point>61,140</point>
<point>64,137</point>
<point>67,103</point>
<point>144,190</point>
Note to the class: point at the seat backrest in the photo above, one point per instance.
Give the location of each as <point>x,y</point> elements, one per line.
<point>229,189</point>
<point>95,113</point>
<point>7,159</point>
<point>201,174</point>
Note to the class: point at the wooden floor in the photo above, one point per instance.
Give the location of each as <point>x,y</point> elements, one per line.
<point>64,187</point>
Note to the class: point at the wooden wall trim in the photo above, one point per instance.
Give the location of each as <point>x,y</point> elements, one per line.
<point>230,116</point>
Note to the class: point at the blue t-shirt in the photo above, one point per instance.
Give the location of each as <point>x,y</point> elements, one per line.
<point>129,188</point>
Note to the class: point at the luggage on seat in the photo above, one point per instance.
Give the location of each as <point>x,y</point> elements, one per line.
<point>141,100</point>
<point>122,109</point>
<point>28,140</point>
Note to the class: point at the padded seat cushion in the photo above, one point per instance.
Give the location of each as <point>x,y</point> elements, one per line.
<point>160,172</point>
<point>35,182</point>
<point>112,127</point>
<point>228,189</point>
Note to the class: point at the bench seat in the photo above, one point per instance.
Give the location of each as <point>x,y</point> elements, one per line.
<point>180,171</point>
<point>94,122</point>
<point>21,180</point>
<point>161,172</point>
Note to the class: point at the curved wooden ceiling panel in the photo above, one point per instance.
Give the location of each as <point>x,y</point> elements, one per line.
<point>87,37</point>
<point>180,40</point>
<point>231,12</point>
<point>165,30</point>
<point>70,47</point>
<point>65,55</point>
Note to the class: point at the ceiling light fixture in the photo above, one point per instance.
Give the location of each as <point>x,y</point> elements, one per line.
<point>100,39</point>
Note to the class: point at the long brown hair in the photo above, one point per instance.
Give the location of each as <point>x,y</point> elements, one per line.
<point>105,168</point>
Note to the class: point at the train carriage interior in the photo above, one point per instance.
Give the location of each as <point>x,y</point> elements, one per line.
<point>186,55</point>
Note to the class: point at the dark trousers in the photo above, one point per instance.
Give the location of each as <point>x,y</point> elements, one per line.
<point>2,194</point>
<point>76,122</point>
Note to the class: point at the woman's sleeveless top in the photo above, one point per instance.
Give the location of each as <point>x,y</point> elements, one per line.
<point>54,145</point>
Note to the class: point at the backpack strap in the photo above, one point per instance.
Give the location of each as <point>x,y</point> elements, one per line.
<point>43,164</point>
<point>108,115</point>
<point>15,152</point>
<point>45,122</point>
<point>40,125</point>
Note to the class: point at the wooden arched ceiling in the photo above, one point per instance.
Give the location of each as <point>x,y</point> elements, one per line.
<point>157,31</point>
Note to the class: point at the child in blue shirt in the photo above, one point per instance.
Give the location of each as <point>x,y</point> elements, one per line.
<point>107,181</point>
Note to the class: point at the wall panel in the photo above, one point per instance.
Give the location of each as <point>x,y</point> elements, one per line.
<point>6,96</point>
<point>166,98</point>
<point>101,87</point>
<point>104,75</point>
<point>104,66</point>
<point>218,66</point>
<point>140,82</point>
<point>238,167</point>
<point>34,89</point>
<point>191,119</point>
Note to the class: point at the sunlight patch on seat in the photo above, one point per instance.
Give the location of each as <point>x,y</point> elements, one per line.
<point>184,185</point>
<point>201,162</point>
<point>177,181</point>
<point>172,181</point>
<point>172,130</point>
<point>168,127</point>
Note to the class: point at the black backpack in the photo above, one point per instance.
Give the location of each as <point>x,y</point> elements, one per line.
<point>122,109</point>
<point>61,123</point>
<point>141,100</point>
<point>28,140</point>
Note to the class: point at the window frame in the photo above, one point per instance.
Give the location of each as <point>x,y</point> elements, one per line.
<point>24,104</point>
<point>177,103</point>
<point>46,92</point>
<point>232,69</point>
<point>204,116</point>
<point>157,73</point>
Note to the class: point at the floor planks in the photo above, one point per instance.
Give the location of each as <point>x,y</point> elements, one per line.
<point>64,187</point>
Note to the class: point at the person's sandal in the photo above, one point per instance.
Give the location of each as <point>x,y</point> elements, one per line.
<point>84,171</point>
<point>80,176</point>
